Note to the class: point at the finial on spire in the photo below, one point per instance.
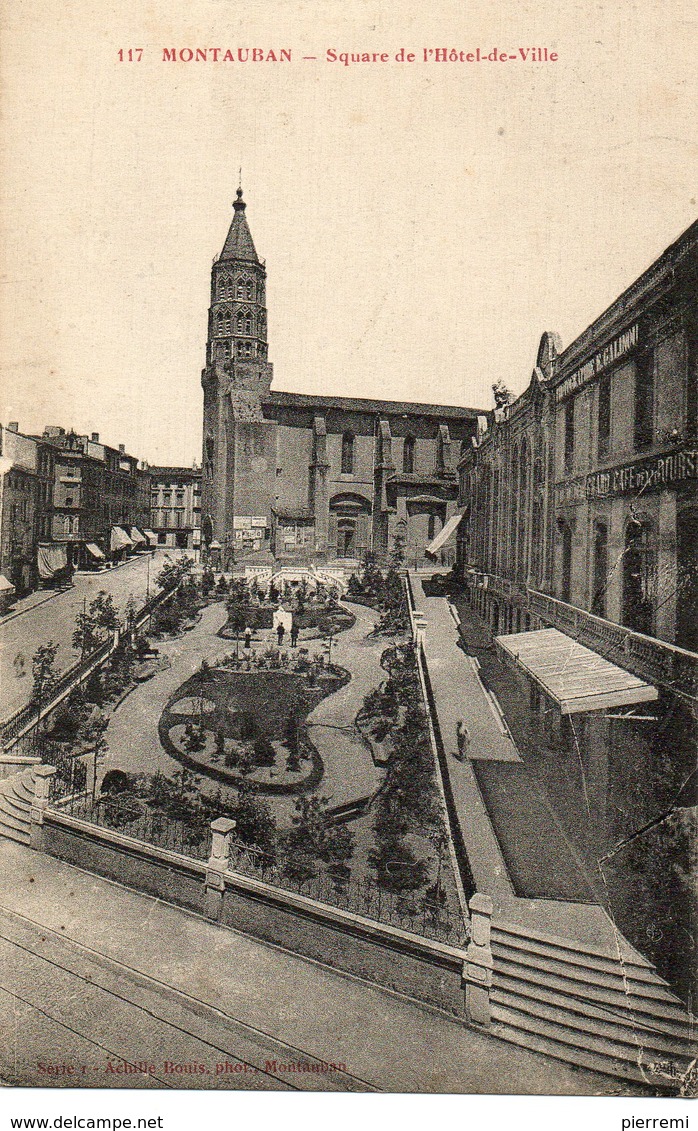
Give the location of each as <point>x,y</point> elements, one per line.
<point>239,204</point>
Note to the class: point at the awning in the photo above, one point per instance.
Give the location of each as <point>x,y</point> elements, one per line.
<point>95,551</point>
<point>119,539</point>
<point>151,536</point>
<point>215,546</point>
<point>573,676</point>
<point>51,559</point>
<point>5,585</point>
<point>138,538</point>
<point>444,534</point>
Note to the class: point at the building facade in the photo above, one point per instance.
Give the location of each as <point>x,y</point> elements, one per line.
<point>68,502</point>
<point>175,506</point>
<point>295,477</point>
<point>584,489</point>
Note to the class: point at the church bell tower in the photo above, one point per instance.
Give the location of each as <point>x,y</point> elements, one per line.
<point>238,444</point>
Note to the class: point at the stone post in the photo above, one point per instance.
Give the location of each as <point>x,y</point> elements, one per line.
<point>217,866</point>
<point>477,969</point>
<point>41,778</point>
<point>419,622</point>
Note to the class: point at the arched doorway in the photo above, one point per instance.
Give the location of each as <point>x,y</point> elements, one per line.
<point>349,525</point>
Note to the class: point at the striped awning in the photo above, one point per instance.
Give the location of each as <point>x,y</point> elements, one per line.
<point>94,550</point>
<point>444,534</point>
<point>119,539</point>
<point>573,676</point>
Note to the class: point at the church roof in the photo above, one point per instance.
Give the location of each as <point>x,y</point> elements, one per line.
<point>359,404</point>
<point>239,243</point>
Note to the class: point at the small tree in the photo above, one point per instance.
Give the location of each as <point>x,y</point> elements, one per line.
<point>397,554</point>
<point>502,395</point>
<point>85,636</point>
<point>104,612</point>
<point>43,672</point>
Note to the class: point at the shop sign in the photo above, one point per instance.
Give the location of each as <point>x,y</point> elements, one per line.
<point>644,475</point>
<point>248,521</point>
<point>610,353</point>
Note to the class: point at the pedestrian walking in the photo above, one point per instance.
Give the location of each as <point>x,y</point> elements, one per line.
<point>294,633</point>
<point>280,632</point>
<point>462,740</point>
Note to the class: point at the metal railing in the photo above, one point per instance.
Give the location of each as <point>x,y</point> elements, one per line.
<point>27,718</point>
<point>428,915</point>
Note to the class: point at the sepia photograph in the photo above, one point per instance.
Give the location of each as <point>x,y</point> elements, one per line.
<point>348,549</point>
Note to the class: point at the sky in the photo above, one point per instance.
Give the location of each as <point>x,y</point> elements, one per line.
<point>422,223</point>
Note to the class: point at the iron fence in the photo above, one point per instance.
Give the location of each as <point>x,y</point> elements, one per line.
<point>430,915</point>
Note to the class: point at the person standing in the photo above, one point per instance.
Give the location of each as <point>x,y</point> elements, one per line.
<point>294,633</point>
<point>280,632</point>
<point>462,740</point>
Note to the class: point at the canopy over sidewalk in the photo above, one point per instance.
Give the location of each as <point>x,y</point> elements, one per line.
<point>573,676</point>
<point>443,536</point>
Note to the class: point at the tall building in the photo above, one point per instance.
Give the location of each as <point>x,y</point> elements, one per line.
<point>175,506</point>
<point>298,477</point>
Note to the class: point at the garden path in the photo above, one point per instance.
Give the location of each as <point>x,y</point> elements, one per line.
<point>134,745</point>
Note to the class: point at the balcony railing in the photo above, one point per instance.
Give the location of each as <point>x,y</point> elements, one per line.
<point>645,656</point>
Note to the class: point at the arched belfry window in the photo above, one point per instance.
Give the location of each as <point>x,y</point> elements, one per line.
<point>227,322</point>
<point>240,322</point>
<point>408,455</point>
<point>347,454</point>
<point>249,328</point>
<point>223,284</point>
<point>240,289</point>
<point>249,289</point>
<point>220,322</point>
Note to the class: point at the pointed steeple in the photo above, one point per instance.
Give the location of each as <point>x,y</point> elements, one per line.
<point>239,244</point>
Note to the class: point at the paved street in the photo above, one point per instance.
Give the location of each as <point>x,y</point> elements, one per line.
<point>50,615</point>
<point>96,974</point>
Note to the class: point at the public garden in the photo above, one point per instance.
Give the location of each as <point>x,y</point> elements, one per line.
<point>318,750</point>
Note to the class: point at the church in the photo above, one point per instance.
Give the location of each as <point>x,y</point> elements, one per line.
<point>293,478</point>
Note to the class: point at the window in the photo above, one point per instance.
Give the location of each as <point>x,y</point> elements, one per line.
<point>249,289</point>
<point>639,576</point>
<point>240,322</point>
<point>408,455</point>
<point>223,286</point>
<point>600,576</point>
<point>644,400</point>
<point>347,454</point>
<point>248,324</point>
<point>179,518</point>
<point>566,534</point>
<point>569,435</point>
<point>604,417</point>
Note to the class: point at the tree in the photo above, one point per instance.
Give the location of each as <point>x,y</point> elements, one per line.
<point>85,636</point>
<point>44,672</point>
<point>502,395</point>
<point>397,554</point>
<point>104,612</point>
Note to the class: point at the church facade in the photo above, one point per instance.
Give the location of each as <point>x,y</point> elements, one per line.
<point>297,478</point>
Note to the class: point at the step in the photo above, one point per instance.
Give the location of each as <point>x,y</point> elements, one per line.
<point>670,1027</point>
<point>20,790</point>
<point>570,945</point>
<point>22,808</point>
<point>605,963</point>
<point>13,829</point>
<point>644,1004</point>
<point>616,1054</point>
<point>652,988</point>
<point>593,1023</point>
<point>580,1058</point>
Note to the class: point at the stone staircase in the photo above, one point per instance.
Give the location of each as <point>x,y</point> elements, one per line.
<point>583,1006</point>
<point>16,796</point>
